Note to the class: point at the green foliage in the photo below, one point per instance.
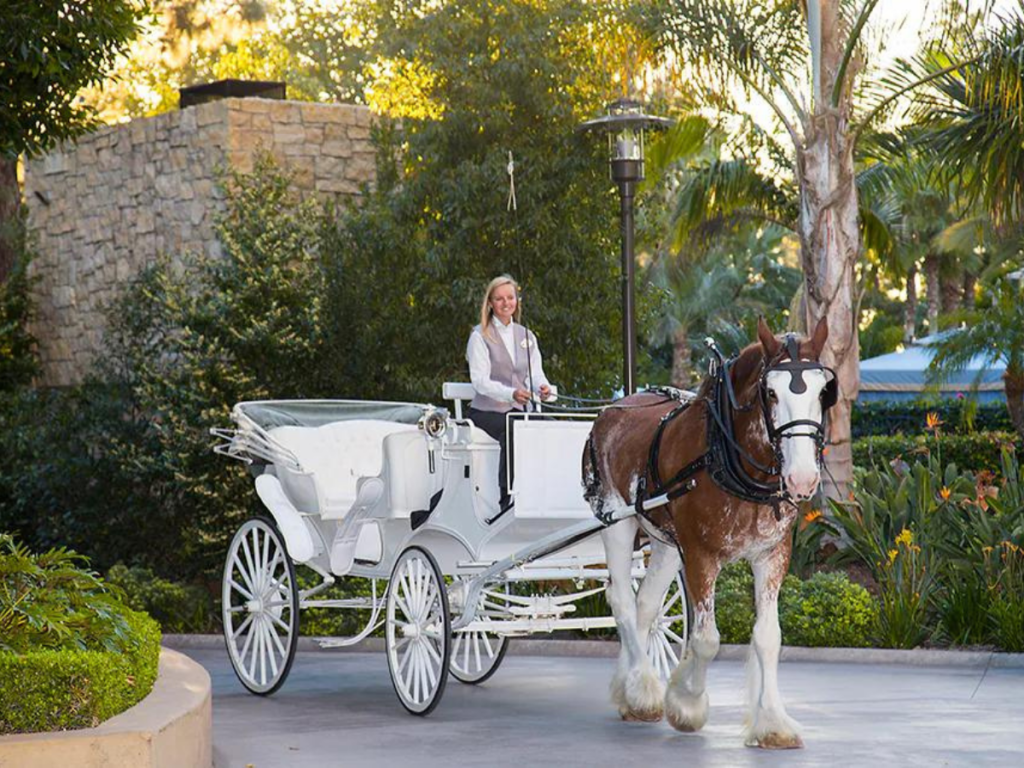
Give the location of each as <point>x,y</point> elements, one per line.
<point>331,622</point>
<point>734,603</point>
<point>827,610</point>
<point>18,360</point>
<point>944,548</point>
<point>408,267</point>
<point>48,57</point>
<point>960,415</point>
<point>48,601</point>
<point>69,477</point>
<point>62,689</point>
<point>977,452</point>
<point>808,536</point>
<point>179,608</point>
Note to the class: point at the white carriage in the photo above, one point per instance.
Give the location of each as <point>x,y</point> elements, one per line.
<point>406,495</point>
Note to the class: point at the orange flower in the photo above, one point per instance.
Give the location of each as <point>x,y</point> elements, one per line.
<point>945,493</point>
<point>813,515</point>
<point>932,422</point>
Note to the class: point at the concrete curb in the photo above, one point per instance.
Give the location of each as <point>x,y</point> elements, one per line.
<point>170,728</point>
<point>610,648</point>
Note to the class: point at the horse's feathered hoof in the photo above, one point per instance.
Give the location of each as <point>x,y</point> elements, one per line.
<point>777,741</point>
<point>640,717</point>
<point>686,713</point>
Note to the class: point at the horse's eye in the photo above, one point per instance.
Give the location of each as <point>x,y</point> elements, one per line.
<point>772,395</point>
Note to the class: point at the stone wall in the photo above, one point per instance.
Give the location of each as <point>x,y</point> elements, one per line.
<point>104,207</point>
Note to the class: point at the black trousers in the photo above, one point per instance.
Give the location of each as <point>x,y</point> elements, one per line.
<point>493,423</point>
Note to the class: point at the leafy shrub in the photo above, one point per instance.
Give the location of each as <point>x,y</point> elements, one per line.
<point>961,415</point>
<point>827,610</point>
<point>734,603</point>
<point>18,360</point>
<point>71,654</point>
<point>179,608</point>
<point>976,452</point>
<point>808,535</point>
<point>61,689</point>
<point>47,601</point>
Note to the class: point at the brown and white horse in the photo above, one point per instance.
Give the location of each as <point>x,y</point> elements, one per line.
<point>772,398</point>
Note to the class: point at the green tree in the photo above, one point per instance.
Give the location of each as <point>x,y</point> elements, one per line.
<point>805,61</point>
<point>50,50</point>
<point>407,267</point>
<point>995,332</point>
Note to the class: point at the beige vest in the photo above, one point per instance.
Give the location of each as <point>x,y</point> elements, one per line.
<point>504,370</point>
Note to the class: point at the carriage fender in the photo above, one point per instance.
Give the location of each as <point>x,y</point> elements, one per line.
<point>289,521</point>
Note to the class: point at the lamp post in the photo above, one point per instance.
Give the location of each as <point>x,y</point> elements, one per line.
<point>626,124</point>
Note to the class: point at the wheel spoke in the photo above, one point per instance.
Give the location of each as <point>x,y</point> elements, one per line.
<point>238,587</point>
<point>241,628</point>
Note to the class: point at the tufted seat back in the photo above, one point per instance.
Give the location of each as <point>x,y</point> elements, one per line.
<point>333,457</point>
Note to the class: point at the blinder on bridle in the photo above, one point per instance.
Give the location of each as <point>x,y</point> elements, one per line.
<point>796,368</point>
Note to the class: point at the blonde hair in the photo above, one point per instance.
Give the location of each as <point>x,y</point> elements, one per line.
<point>485,306</point>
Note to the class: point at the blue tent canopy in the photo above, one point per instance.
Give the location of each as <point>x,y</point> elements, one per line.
<point>903,375</point>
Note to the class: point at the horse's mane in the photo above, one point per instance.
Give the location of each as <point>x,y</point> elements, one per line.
<point>746,365</point>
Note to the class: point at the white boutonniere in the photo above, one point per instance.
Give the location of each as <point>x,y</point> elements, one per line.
<point>523,344</point>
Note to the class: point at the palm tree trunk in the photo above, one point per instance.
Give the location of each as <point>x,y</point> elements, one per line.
<point>829,245</point>
<point>933,290</point>
<point>952,291</point>
<point>1014,383</point>
<point>910,308</point>
<point>682,359</point>
<point>10,202</point>
<point>970,281</point>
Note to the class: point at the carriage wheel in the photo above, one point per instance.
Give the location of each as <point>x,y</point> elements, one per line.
<point>477,654</point>
<point>418,631</point>
<point>667,642</point>
<point>260,607</point>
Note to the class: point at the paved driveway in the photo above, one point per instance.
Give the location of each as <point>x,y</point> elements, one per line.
<point>338,709</point>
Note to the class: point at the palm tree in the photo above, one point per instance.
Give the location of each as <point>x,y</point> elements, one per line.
<point>767,49</point>
<point>994,332</point>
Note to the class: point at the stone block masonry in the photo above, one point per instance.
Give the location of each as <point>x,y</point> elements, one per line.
<point>104,207</point>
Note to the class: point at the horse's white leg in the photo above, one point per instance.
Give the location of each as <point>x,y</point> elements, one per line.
<point>661,570</point>
<point>686,701</point>
<point>636,689</point>
<point>768,725</point>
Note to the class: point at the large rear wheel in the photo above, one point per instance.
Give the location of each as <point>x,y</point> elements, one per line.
<point>418,631</point>
<point>260,607</point>
<point>667,641</point>
<point>477,653</point>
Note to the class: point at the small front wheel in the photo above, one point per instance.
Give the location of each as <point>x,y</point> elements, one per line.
<point>418,631</point>
<point>260,607</point>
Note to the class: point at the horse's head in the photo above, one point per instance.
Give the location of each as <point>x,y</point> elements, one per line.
<point>796,393</point>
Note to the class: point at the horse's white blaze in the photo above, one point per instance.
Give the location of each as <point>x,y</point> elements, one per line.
<point>800,468</point>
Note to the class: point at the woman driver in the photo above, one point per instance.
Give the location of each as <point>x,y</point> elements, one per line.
<point>504,361</point>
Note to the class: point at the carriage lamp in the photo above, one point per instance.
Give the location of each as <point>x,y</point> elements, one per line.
<point>626,125</point>
<point>435,423</point>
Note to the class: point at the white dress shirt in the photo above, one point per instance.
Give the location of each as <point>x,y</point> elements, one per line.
<point>480,363</point>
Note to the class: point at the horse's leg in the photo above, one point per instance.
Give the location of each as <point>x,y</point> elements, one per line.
<point>661,570</point>
<point>635,688</point>
<point>768,725</point>
<point>686,701</point>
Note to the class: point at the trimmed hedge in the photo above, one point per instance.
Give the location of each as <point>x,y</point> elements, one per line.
<point>887,417</point>
<point>973,452</point>
<point>57,690</point>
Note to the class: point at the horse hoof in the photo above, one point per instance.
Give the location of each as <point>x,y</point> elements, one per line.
<point>779,741</point>
<point>630,716</point>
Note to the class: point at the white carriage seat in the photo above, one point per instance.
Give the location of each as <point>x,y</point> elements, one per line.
<point>334,456</point>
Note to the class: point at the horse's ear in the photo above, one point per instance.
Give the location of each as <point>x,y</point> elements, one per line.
<point>819,337</point>
<point>768,341</point>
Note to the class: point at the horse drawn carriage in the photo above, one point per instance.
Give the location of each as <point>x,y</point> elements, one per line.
<point>406,496</point>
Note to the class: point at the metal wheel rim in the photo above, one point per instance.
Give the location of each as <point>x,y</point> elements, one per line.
<point>667,641</point>
<point>417,631</point>
<point>259,607</point>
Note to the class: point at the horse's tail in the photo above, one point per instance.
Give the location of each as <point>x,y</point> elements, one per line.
<point>591,475</point>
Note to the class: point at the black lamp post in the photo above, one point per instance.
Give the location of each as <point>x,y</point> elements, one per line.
<point>626,123</point>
